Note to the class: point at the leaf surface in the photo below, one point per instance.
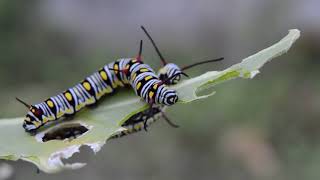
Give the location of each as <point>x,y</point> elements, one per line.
<point>107,118</point>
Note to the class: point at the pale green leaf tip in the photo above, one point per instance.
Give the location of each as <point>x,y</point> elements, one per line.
<point>108,117</point>
<point>247,68</point>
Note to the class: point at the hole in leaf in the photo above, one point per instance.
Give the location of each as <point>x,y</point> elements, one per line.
<point>66,131</point>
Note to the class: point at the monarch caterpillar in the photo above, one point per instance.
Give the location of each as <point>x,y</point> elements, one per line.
<point>122,72</point>
<point>145,118</point>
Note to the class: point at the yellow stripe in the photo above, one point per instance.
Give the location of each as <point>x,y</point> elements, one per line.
<point>138,85</point>
<point>151,94</point>
<point>144,70</point>
<point>116,67</point>
<point>59,114</point>
<point>87,86</point>
<point>119,83</point>
<point>50,104</point>
<point>103,75</point>
<point>134,60</point>
<point>155,86</point>
<point>36,123</point>
<point>69,111</point>
<point>68,96</point>
<point>108,89</point>
<point>134,76</point>
<point>147,78</point>
<point>44,120</point>
<point>79,106</point>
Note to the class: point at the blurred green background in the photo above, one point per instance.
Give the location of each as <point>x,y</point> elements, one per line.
<point>265,128</point>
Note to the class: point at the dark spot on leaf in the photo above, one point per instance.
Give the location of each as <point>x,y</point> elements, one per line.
<point>67,131</point>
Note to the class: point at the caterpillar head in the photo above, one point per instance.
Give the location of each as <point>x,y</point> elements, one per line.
<point>33,119</point>
<point>170,97</point>
<point>170,70</point>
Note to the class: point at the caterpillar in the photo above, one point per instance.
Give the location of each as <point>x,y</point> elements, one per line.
<point>139,121</point>
<point>145,118</point>
<point>122,72</point>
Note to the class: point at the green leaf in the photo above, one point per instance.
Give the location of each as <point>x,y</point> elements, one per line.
<point>106,119</point>
<point>249,67</point>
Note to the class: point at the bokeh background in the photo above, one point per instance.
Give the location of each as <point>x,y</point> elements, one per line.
<point>265,128</point>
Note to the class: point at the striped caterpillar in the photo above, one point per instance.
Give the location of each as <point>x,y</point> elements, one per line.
<point>139,121</point>
<point>122,72</point>
<point>145,118</point>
